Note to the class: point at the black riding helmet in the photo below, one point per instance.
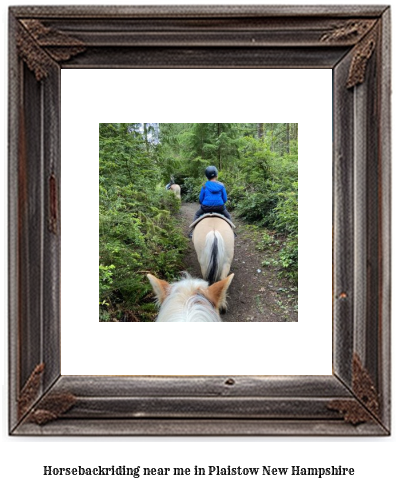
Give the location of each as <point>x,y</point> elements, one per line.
<point>211,172</point>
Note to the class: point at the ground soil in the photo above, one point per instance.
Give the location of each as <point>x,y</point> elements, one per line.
<point>257,293</point>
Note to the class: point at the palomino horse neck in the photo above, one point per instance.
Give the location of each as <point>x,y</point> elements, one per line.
<point>190,299</point>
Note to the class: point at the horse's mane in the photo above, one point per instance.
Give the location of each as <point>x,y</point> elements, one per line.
<point>185,303</point>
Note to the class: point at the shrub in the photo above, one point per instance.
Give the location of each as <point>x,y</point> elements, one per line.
<point>192,188</point>
<point>138,231</point>
<point>289,258</point>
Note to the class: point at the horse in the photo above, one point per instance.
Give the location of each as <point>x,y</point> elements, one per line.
<point>190,299</point>
<point>176,190</point>
<point>213,240</point>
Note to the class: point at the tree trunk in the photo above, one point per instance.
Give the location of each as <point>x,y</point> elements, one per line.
<point>261,130</point>
<point>145,135</point>
<point>295,132</point>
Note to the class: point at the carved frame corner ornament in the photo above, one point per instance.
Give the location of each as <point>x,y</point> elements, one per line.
<point>30,391</point>
<point>352,30</point>
<point>364,33</point>
<point>38,46</point>
<point>354,43</point>
<point>366,406</point>
<point>51,407</point>
<point>361,56</point>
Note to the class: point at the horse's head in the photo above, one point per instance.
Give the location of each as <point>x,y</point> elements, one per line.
<point>190,299</point>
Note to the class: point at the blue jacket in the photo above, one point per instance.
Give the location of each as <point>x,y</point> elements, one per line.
<point>213,193</point>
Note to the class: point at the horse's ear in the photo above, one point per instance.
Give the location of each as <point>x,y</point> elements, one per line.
<point>160,287</point>
<point>216,293</point>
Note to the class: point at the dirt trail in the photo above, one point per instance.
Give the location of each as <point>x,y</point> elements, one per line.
<point>256,294</point>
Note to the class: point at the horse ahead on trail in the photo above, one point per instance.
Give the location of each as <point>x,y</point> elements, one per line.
<point>175,188</point>
<point>190,299</point>
<point>213,239</point>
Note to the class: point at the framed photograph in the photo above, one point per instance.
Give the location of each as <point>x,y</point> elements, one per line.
<point>352,43</point>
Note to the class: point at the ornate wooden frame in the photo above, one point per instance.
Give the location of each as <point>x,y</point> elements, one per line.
<point>353,41</point>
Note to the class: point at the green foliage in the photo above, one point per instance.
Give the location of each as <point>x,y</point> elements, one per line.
<point>192,188</point>
<point>257,162</point>
<point>138,231</point>
<point>139,234</point>
<point>191,147</point>
<point>289,258</point>
<point>106,273</point>
<point>263,189</point>
<point>286,211</point>
<point>255,205</point>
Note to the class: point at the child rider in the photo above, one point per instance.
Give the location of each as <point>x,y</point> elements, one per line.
<point>213,195</point>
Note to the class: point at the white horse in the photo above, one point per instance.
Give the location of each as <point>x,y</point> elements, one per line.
<point>176,190</point>
<point>190,299</point>
<point>213,240</point>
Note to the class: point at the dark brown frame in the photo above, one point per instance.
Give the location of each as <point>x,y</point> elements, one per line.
<point>353,41</point>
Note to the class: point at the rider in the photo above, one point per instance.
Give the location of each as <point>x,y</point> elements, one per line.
<point>170,183</point>
<point>213,195</point>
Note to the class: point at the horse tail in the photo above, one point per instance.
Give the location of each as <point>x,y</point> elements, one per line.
<point>213,255</point>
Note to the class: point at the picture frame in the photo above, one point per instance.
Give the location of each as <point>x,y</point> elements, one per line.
<point>352,41</point>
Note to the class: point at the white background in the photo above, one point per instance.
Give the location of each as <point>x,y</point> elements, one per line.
<point>90,347</point>
<point>374,459</point>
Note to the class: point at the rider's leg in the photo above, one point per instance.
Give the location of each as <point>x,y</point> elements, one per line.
<point>226,214</point>
<point>198,213</point>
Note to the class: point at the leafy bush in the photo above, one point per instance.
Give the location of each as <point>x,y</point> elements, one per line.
<point>106,273</point>
<point>286,212</point>
<point>257,206</point>
<point>263,189</point>
<point>137,229</point>
<point>139,232</point>
<point>192,189</point>
<point>289,258</point>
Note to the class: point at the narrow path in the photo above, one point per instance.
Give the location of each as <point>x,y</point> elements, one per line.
<point>257,293</point>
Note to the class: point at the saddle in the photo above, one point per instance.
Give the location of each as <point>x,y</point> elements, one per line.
<point>209,215</point>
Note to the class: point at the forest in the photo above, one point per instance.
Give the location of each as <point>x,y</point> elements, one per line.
<point>140,229</point>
